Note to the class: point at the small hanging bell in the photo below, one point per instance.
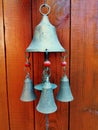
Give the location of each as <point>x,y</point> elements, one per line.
<point>28,93</point>
<point>64,94</point>
<point>46,103</point>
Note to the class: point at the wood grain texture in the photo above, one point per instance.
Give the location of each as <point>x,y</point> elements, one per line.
<point>17,35</point>
<point>4,122</point>
<point>59,119</point>
<point>20,19</point>
<point>84,65</point>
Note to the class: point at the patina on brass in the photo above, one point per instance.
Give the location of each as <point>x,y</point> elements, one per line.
<point>64,94</point>
<point>45,36</point>
<point>46,103</point>
<point>40,86</point>
<point>28,93</point>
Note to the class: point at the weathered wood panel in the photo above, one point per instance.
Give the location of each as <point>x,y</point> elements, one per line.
<point>84,65</point>
<point>4,123</point>
<point>17,36</point>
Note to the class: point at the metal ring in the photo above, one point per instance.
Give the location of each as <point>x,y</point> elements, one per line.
<point>47,6</point>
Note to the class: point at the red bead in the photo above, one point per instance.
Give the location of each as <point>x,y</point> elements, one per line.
<point>64,63</point>
<point>27,64</point>
<point>47,63</point>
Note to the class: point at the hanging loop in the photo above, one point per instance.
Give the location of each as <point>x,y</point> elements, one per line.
<point>64,56</point>
<point>27,55</point>
<point>45,1</point>
<point>43,6</point>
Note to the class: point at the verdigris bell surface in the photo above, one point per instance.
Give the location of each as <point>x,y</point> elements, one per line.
<point>64,94</point>
<point>40,86</point>
<point>45,38</point>
<point>28,93</point>
<point>46,103</point>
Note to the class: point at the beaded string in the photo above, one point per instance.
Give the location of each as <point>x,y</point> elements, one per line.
<point>27,66</point>
<point>64,63</point>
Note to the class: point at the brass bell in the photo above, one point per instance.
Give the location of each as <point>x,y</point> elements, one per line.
<point>64,94</point>
<point>28,93</point>
<point>46,103</point>
<point>45,38</point>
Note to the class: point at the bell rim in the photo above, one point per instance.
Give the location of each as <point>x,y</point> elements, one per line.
<point>47,112</point>
<point>31,50</point>
<point>37,86</point>
<point>61,100</point>
<point>28,99</point>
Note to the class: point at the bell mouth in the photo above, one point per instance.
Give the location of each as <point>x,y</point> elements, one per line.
<point>44,50</point>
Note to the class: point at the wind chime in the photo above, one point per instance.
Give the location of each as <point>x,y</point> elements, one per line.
<point>45,40</point>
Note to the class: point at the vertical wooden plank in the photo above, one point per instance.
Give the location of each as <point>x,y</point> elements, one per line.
<point>59,119</point>
<point>84,65</point>
<point>4,123</point>
<point>17,36</point>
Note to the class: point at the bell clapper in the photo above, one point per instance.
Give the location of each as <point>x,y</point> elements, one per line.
<point>47,122</point>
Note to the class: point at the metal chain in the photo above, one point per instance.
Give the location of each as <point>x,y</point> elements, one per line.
<point>27,67</point>
<point>46,72</point>
<point>64,70</point>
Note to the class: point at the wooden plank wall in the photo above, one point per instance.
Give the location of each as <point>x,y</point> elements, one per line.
<point>4,120</point>
<point>78,33</point>
<point>84,65</point>
<point>17,17</point>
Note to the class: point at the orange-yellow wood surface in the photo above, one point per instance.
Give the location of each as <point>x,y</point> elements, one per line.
<point>4,122</point>
<point>84,65</point>
<point>17,15</point>
<point>78,33</point>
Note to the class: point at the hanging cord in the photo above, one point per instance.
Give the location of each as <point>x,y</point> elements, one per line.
<point>27,66</point>
<point>64,63</point>
<point>47,122</point>
<point>45,1</point>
